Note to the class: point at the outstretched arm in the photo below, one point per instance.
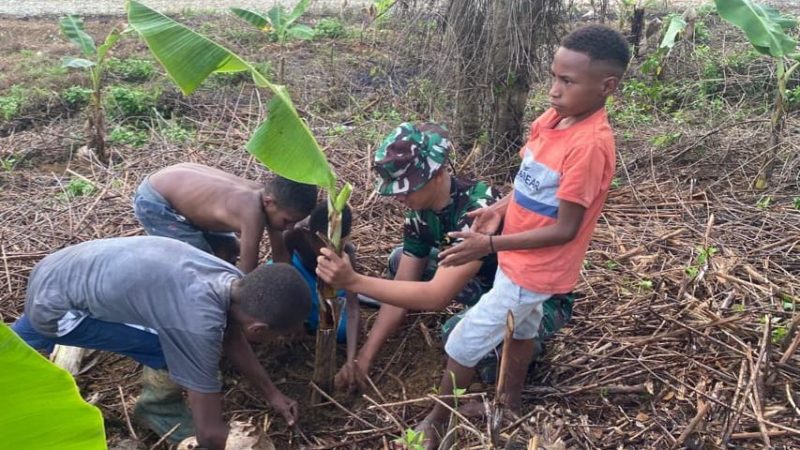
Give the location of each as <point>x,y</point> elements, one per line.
<point>430,295</point>
<point>239,352</point>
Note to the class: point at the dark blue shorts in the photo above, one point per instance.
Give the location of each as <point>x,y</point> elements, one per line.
<point>159,218</point>
<point>140,345</point>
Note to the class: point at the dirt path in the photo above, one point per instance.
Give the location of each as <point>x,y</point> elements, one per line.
<point>25,8</point>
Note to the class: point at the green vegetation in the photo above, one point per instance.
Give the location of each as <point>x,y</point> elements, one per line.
<point>665,140</point>
<point>77,187</point>
<point>132,102</point>
<point>123,135</point>
<point>412,439</point>
<point>7,163</point>
<point>764,202</point>
<point>280,24</point>
<point>704,254</point>
<point>330,28</point>
<point>131,69</point>
<point>76,96</point>
<point>11,104</point>
<point>767,29</point>
<point>56,416</point>
<point>72,28</point>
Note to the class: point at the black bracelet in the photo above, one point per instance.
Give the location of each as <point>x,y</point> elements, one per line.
<point>491,244</point>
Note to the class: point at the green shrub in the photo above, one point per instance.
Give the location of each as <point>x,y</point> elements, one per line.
<point>330,28</point>
<point>177,133</point>
<point>123,135</point>
<point>77,187</point>
<point>11,104</point>
<point>131,69</point>
<point>76,96</point>
<point>132,102</point>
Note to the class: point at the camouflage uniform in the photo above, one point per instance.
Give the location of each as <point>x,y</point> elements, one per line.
<point>406,160</point>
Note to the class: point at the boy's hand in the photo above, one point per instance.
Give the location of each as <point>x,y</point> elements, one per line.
<point>485,220</point>
<point>473,246</point>
<point>350,378</point>
<point>335,270</point>
<point>284,405</point>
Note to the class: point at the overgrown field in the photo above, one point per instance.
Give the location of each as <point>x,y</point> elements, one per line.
<point>685,330</point>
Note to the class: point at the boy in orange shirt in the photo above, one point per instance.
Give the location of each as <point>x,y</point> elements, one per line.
<point>559,191</point>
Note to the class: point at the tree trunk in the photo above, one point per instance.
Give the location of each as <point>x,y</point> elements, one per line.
<point>325,350</point>
<point>776,130</point>
<point>512,30</point>
<point>466,20</point>
<point>637,26</point>
<point>95,128</point>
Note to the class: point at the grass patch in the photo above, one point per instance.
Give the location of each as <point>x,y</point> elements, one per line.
<point>131,69</point>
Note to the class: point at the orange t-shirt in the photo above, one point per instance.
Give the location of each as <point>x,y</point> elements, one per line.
<point>575,164</point>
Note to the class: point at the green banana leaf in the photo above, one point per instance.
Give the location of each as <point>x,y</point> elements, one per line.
<point>111,39</point>
<point>276,17</point>
<point>283,142</point>
<point>72,27</point>
<point>676,26</point>
<point>297,11</point>
<point>253,18</point>
<point>76,63</point>
<point>301,32</point>
<point>42,407</point>
<point>764,26</point>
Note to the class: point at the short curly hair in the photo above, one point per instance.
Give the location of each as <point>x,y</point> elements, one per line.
<point>291,195</point>
<point>275,294</point>
<point>318,219</point>
<point>600,43</point>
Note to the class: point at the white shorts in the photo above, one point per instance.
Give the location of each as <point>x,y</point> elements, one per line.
<point>484,325</point>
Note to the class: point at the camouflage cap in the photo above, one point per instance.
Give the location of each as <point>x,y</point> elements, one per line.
<point>410,156</point>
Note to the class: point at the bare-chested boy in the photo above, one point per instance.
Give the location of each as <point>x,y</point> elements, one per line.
<point>204,207</point>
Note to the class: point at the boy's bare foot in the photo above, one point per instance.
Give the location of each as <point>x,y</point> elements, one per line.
<point>433,431</point>
<point>472,409</point>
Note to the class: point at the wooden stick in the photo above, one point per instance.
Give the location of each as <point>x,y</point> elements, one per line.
<point>701,413</point>
<point>125,412</point>
<point>500,398</point>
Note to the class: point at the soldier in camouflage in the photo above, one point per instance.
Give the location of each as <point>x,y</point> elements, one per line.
<point>411,163</point>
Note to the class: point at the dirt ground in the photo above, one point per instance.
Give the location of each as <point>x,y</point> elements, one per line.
<point>666,347</point>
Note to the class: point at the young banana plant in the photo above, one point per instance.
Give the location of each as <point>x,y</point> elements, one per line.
<point>766,29</point>
<point>281,24</point>
<point>93,60</point>
<point>283,142</point>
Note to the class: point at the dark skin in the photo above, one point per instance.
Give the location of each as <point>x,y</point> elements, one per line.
<point>212,430</point>
<point>308,246</point>
<point>217,201</point>
<point>579,88</point>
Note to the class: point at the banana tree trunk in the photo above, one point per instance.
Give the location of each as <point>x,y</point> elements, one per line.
<point>325,352</point>
<point>95,126</point>
<point>776,129</point>
<point>68,358</point>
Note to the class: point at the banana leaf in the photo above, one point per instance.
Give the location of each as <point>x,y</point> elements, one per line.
<point>676,26</point>
<point>284,142</point>
<point>253,18</point>
<point>764,26</point>
<point>72,27</point>
<point>42,407</point>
